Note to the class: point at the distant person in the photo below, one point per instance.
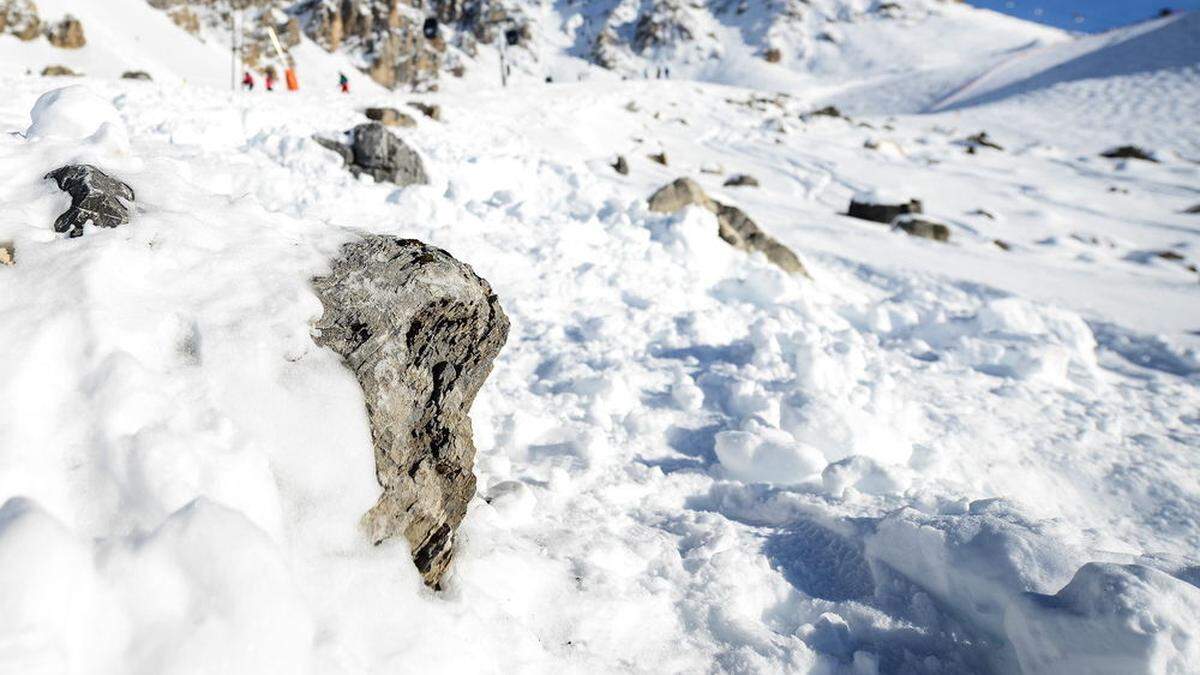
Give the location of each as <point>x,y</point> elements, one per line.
<point>248,81</point>
<point>270,78</point>
<point>667,72</point>
<point>344,83</point>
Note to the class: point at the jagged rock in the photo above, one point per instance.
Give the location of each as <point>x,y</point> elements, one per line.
<point>736,228</point>
<point>882,213</point>
<point>980,140</point>
<point>733,225</point>
<point>136,75</point>
<point>432,111</point>
<point>58,71</point>
<point>7,253</point>
<point>19,18</point>
<point>67,34</point>
<point>741,180</point>
<point>660,158</point>
<point>773,55</point>
<point>374,151</point>
<point>1129,152</point>
<point>420,330</point>
<point>919,227</point>
<point>621,166</point>
<point>95,197</point>
<point>678,194</point>
<point>390,117</point>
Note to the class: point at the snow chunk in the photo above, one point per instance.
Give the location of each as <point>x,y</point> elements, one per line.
<point>74,113</point>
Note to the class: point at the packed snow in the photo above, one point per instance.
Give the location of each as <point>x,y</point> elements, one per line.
<point>929,458</point>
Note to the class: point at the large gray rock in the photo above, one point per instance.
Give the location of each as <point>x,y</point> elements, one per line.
<point>733,225</point>
<point>420,331</point>
<point>95,197</point>
<point>376,152</point>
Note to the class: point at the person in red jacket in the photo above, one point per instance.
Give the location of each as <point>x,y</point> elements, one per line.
<point>248,81</point>
<point>344,83</point>
<point>270,78</point>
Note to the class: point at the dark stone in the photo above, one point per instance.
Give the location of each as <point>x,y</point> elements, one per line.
<point>136,75</point>
<point>420,330</point>
<point>374,151</point>
<point>661,158</point>
<point>390,117</point>
<point>827,111</point>
<point>981,140</point>
<point>919,227</point>
<point>882,213</point>
<point>95,197</point>
<point>1193,210</point>
<point>621,166</point>
<point>1129,152</point>
<point>1002,245</point>
<point>741,180</point>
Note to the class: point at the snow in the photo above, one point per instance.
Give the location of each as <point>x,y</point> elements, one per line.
<point>929,458</point>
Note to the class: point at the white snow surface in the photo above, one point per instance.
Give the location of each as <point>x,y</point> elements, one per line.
<point>929,458</point>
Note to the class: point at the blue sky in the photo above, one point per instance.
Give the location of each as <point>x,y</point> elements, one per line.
<point>1097,15</point>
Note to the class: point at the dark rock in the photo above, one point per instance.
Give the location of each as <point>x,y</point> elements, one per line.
<point>433,112</point>
<point>390,117</point>
<point>1129,152</point>
<point>660,157</point>
<point>827,111</point>
<point>58,71</point>
<point>981,140</point>
<point>1002,245</point>
<point>95,197</point>
<point>982,213</point>
<point>374,151</point>
<point>773,55</point>
<point>621,166</point>
<point>882,213</point>
<point>733,225</point>
<point>136,75</point>
<point>1193,210</point>
<point>919,227</point>
<point>1169,255</point>
<point>420,330</point>
<point>741,180</point>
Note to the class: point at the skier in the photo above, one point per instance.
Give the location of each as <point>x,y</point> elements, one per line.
<point>344,83</point>
<point>248,81</point>
<point>270,78</point>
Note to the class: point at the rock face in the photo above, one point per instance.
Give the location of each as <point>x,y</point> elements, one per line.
<point>67,34</point>
<point>374,151</point>
<point>882,213</point>
<point>919,227</point>
<point>95,197</point>
<point>420,331</point>
<point>733,225</point>
<point>390,117</point>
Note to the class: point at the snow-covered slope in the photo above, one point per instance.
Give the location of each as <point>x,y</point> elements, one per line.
<point>931,457</point>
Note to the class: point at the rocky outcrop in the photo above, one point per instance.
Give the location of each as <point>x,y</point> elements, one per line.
<point>390,117</point>
<point>96,197</point>
<point>420,330</point>
<point>19,18</point>
<point>882,213</point>
<point>67,34</point>
<point>1129,152</point>
<point>741,180</point>
<point>376,152</point>
<point>733,225</point>
<point>920,227</point>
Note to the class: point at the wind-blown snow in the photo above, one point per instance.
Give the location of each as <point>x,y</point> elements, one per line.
<point>928,458</point>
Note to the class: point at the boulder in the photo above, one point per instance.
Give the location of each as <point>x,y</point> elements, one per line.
<point>621,166</point>
<point>95,197</point>
<point>136,75</point>
<point>58,71</point>
<point>390,117</point>
<point>733,225</point>
<point>919,227</point>
<point>881,213</point>
<point>682,192</point>
<point>376,152</point>
<point>420,331</point>
<point>66,34</point>
<point>19,18</point>
<point>432,111</point>
<point>1129,152</point>
<point>741,180</point>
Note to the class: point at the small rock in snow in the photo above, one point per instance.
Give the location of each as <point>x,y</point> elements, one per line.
<point>95,197</point>
<point>58,71</point>
<point>136,75</point>
<point>7,250</point>
<point>919,227</point>
<point>432,111</point>
<point>1129,152</point>
<point>621,166</point>
<point>390,117</point>
<point>660,158</point>
<point>67,34</point>
<point>866,209</point>
<point>741,180</point>
<point>376,152</point>
<point>682,192</point>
